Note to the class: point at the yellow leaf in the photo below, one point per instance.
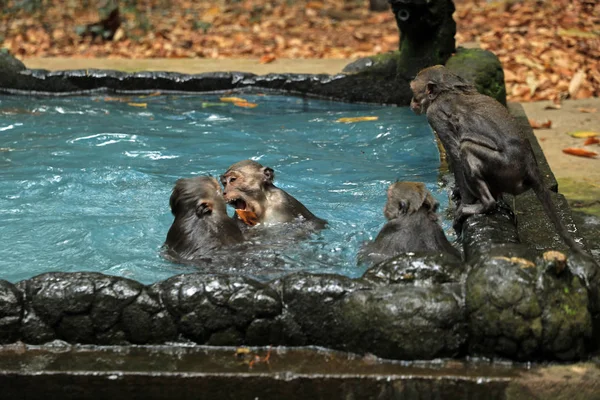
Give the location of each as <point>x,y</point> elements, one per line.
<point>245,104</point>
<point>232,100</point>
<point>141,105</point>
<point>348,120</point>
<point>582,134</point>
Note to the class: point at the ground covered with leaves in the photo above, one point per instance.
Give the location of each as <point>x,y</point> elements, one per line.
<point>550,50</point>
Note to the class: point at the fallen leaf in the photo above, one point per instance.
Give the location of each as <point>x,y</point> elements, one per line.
<point>348,120</point>
<point>154,94</point>
<point>591,140</point>
<point>209,104</point>
<point>141,105</point>
<point>537,125</point>
<point>582,134</point>
<point>517,260</point>
<point>244,104</point>
<point>232,100</point>
<point>267,58</point>
<point>553,106</point>
<point>580,152</point>
<point>587,110</point>
<point>576,82</point>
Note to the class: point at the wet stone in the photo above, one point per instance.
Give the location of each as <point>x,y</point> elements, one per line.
<point>404,322</point>
<point>11,307</point>
<point>416,269</point>
<point>519,309</point>
<point>54,294</point>
<point>110,301</point>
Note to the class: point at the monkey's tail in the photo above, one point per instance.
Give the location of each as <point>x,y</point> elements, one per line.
<point>543,194</point>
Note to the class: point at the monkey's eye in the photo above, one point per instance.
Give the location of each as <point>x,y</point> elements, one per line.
<point>403,206</point>
<point>232,179</point>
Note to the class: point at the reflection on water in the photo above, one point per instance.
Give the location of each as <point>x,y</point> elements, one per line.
<point>86,181</point>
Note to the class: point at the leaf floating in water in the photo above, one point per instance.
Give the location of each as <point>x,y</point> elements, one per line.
<point>247,217</point>
<point>233,100</point>
<point>245,104</point>
<point>348,120</point>
<point>580,152</point>
<point>141,105</point>
<point>119,99</point>
<point>591,140</point>
<point>582,134</point>
<point>537,125</point>
<point>209,104</point>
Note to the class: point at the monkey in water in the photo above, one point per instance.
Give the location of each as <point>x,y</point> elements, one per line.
<point>201,224</point>
<point>412,225</point>
<point>249,188</point>
<point>484,147</point>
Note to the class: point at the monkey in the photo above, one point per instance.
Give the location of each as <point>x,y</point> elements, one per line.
<point>412,225</point>
<point>485,149</point>
<point>248,187</point>
<point>201,224</point>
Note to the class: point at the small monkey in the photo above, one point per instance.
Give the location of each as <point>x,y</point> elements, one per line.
<point>484,146</point>
<point>412,225</point>
<point>201,223</point>
<point>249,188</point>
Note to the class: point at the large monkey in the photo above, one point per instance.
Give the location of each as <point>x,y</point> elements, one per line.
<point>486,152</point>
<point>248,186</point>
<point>201,222</point>
<point>412,225</point>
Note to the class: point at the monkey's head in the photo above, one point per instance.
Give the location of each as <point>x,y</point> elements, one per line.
<point>245,184</point>
<point>200,195</point>
<point>433,81</point>
<point>406,198</point>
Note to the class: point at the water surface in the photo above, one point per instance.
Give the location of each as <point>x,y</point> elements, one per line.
<point>85,181</point>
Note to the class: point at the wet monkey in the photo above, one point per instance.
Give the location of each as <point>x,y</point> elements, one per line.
<point>412,225</point>
<point>248,187</point>
<point>487,154</point>
<point>201,223</point>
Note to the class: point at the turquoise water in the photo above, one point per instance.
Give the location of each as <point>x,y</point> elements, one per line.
<point>85,181</point>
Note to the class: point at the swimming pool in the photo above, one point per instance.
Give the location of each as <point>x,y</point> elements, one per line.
<point>86,180</point>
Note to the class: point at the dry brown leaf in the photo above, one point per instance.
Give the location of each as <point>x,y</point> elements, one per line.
<point>590,110</point>
<point>267,58</point>
<point>591,140</point>
<point>580,152</point>
<point>540,125</point>
<point>576,82</point>
<point>553,106</point>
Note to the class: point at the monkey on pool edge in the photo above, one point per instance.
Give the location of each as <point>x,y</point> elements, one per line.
<point>201,224</point>
<point>248,187</point>
<point>486,152</point>
<point>412,225</point>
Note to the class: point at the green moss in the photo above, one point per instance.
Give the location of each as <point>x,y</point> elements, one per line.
<point>582,196</point>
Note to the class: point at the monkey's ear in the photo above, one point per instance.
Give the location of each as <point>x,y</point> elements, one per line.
<point>430,202</point>
<point>204,208</point>
<point>268,175</point>
<point>431,90</point>
<point>174,199</point>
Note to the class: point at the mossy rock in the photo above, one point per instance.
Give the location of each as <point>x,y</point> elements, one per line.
<point>482,68</point>
<point>8,63</point>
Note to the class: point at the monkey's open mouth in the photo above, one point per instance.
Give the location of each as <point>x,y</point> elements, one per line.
<point>238,204</point>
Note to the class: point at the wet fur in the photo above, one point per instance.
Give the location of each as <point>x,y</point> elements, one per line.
<point>485,148</point>
<point>253,183</point>
<point>201,224</point>
<point>412,225</point>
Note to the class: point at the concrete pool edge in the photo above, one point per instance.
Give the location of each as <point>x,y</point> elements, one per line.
<point>73,372</point>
